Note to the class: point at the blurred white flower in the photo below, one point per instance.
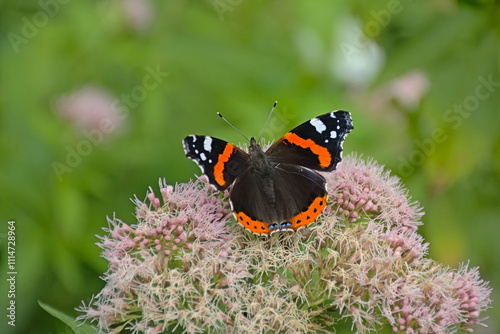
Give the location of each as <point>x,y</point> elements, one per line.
<point>356,59</point>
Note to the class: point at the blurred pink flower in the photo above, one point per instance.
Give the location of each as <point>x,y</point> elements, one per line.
<point>138,13</point>
<point>404,92</point>
<point>409,89</point>
<point>90,108</point>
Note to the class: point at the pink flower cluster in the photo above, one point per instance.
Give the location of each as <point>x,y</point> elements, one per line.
<point>444,300</point>
<point>185,266</point>
<point>162,229</point>
<point>362,189</point>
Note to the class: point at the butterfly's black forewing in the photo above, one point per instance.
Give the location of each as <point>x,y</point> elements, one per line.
<point>220,161</point>
<point>316,144</point>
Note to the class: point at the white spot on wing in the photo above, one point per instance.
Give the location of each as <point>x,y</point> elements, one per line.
<point>318,124</point>
<point>203,156</point>
<point>201,167</point>
<point>207,144</point>
<point>333,134</point>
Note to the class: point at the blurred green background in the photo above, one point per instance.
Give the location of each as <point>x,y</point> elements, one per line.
<point>421,79</point>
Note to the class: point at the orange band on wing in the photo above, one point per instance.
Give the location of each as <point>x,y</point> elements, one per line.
<point>253,226</point>
<point>324,157</point>
<point>221,161</point>
<point>296,223</point>
<point>307,217</point>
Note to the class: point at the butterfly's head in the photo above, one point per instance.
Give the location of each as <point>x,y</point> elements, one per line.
<point>254,147</point>
<point>259,160</point>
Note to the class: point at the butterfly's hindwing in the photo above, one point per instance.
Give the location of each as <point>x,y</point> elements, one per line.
<point>219,160</point>
<point>292,209</point>
<point>316,144</point>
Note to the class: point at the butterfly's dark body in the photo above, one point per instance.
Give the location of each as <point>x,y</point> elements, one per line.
<point>263,171</point>
<point>277,189</point>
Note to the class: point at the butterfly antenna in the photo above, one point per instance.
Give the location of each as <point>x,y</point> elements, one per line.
<point>268,118</point>
<point>220,115</point>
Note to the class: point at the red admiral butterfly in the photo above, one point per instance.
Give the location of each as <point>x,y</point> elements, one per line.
<point>277,189</point>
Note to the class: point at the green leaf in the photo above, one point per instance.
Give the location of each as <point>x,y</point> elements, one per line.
<point>69,321</point>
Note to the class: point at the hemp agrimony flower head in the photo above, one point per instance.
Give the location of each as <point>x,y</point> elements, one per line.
<point>363,190</point>
<point>186,266</point>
